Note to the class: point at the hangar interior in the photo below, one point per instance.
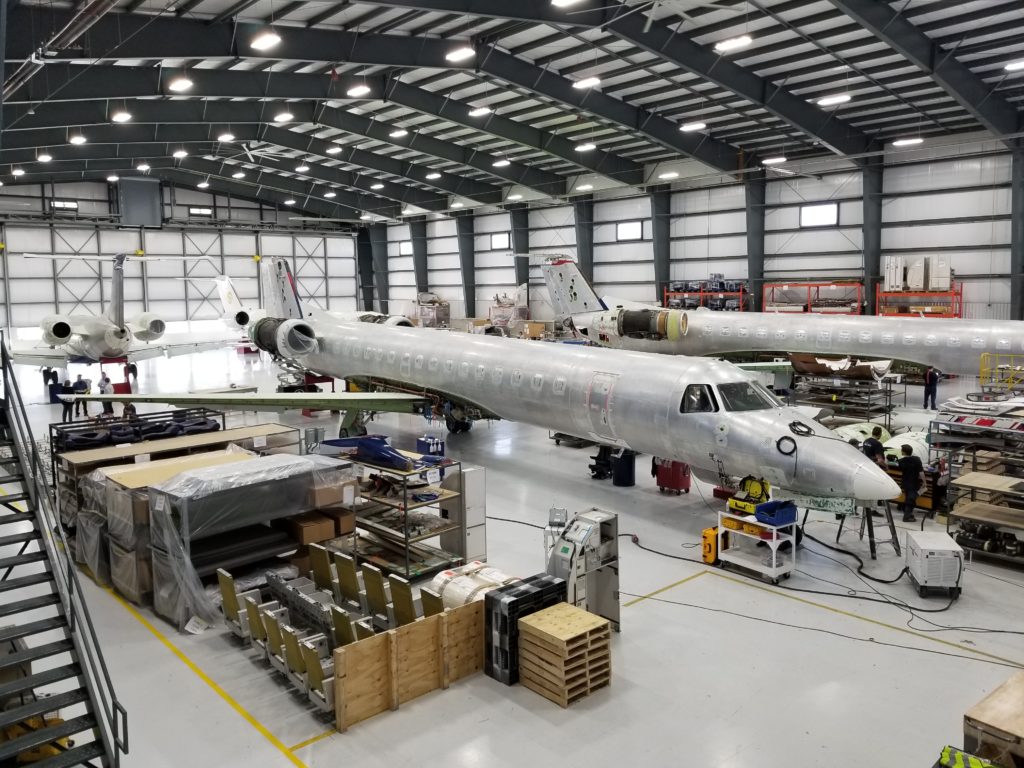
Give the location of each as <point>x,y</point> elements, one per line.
<point>579,203</point>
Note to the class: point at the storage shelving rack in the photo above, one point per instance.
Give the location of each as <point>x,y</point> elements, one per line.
<point>835,298</point>
<point>705,298</point>
<point>731,550</point>
<point>945,304</point>
<point>849,398</point>
<point>392,531</point>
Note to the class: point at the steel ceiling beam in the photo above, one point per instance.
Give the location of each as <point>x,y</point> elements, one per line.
<point>625,23</point>
<point>127,37</point>
<point>955,78</point>
<point>69,82</point>
<point>183,121</point>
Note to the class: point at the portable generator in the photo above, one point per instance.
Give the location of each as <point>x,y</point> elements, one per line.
<point>934,561</point>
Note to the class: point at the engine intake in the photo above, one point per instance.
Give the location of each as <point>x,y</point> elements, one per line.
<point>285,338</point>
<point>56,329</point>
<point>652,324</point>
<point>147,327</point>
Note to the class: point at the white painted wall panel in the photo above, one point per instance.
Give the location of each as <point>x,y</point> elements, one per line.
<point>708,224</point>
<point>439,228</point>
<point>801,190</point>
<point>494,223</point>
<point>443,261</point>
<point>712,199</point>
<point>614,275</point>
<point>948,174</point>
<point>944,235</point>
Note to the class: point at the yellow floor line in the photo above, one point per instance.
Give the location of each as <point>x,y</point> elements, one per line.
<point>314,740</point>
<point>286,751</point>
<point>664,589</point>
<point>876,622</point>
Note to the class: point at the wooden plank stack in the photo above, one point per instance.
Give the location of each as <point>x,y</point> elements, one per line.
<point>564,653</point>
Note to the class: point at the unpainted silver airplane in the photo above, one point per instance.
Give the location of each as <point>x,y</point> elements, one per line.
<point>953,346</point>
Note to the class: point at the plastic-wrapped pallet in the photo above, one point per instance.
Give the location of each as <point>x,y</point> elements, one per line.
<point>91,546</point>
<point>132,572</point>
<point>503,607</point>
<point>463,585</point>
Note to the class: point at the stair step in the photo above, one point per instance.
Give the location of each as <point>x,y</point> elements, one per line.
<point>42,736</point>
<point>20,538</point>
<point>76,756</point>
<point>39,706</point>
<point>12,498</point>
<point>38,652</point>
<point>30,557</point>
<point>32,628</point>
<point>16,478</point>
<point>26,581</point>
<point>29,604</point>
<point>16,517</point>
<point>37,681</point>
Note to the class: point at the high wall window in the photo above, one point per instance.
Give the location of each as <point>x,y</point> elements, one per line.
<point>201,212</point>
<point>63,205</point>
<point>405,248</point>
<point>500,241</point>
<point>821,215</point>
<point>629,230</point>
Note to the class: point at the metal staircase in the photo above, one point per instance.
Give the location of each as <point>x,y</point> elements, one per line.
<point>50,658</point>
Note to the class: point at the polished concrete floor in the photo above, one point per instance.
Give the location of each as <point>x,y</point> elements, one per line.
<point>711,668</point>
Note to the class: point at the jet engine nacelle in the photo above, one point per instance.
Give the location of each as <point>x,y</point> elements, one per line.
<point>56,329</point>
<point>147,327</point>
<point>400,321</point>
<point>656,324</point>
<point>286,338</point>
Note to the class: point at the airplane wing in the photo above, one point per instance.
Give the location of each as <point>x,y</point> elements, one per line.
<point>382,402</point>
<point>39,356</point>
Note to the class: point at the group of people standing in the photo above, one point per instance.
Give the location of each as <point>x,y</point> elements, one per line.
<point>83,386</point>
<point>911,470</point>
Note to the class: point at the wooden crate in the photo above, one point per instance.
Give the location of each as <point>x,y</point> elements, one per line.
<point>994,727</point>
<point>564,653</point>
<point>382,672</point>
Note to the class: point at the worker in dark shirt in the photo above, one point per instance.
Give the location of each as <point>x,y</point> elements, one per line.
<point>911,479</point>
<point>66,403</point>
<point>873,449</point>
<point>931,386</point>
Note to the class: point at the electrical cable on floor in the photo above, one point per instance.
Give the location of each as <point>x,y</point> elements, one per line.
<point>860,563</point>
<point>517,522</point>
<point>870,640</point>
<point>636,540</point>
<point>997,578</point>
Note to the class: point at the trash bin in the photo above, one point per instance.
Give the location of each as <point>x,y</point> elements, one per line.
<point>54,394</point>
<point>624,469</point>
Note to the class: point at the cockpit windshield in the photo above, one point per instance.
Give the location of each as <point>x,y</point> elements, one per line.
<point>746,396</point>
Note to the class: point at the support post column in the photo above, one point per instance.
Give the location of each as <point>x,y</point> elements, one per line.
<point>520,218</point>
<point>661,238</point>
<point>754,189</point>
<point>467,259</point>
<point>583,214</point>
<point>871,184</point>
<point>364,271</point>
<point>418,235</point>
<point>1017,233</point>
<point>379,251</point>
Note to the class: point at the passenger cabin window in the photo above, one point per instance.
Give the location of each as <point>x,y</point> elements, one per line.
<point>745,396</point>
<point>697,399</point>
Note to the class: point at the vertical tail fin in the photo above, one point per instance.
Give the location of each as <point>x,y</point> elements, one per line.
<point>115,310</point>
<point>569,291</point>
<point>280,293</point>
<point>234,311</point>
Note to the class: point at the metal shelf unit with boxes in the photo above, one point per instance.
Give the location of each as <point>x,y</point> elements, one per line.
<point>754,537</point>
<point>836,298</point>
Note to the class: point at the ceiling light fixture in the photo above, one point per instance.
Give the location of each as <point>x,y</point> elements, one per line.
<point>564,3</point>
<point>408,211</point>
<point>203,184</point>
<point>225,137</point>
<point>378,185</point>
<point>1014,66</point>
<point>480,111</point>
<point>357,91</point>
<point>330,194</point>
<point>668,175</point>
<point>398,133</point>
<point>283,117</point>
<point>17,171</point>
<point>180,153</point>
<point>265,39</point>
<point>831,101</point>
<point>179,84</point>
<point>238,175</point>
<point>691,127</point>
<point>44,157</point>
<point>113,178</point>
<point>587,146</point>
<point>333,149</point>
<point>733,43</point>
<point>503,163</point>
<point>456,205</point>
<point>587,82</point>
<point>908,142</point>
<point>433,175</point>
<point>779,160</point>
<point>461,54</point>
<point>121,116</point>
<point>365,217</point>
<point>143,167</point>
<point>584,187</point>
<point>77,139</point>
<point>515,197</point>
<point>301,168</point>
<point>289,201</point>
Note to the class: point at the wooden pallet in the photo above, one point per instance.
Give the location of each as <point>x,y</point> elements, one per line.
<point>564,653</point>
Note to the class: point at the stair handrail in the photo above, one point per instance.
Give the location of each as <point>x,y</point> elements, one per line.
<point>112,717</point>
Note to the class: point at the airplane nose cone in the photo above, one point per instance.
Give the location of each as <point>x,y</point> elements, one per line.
<point>871,483</point>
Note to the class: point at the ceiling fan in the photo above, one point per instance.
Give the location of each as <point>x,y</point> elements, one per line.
<point>678,6</point>
<point>254,151</point>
